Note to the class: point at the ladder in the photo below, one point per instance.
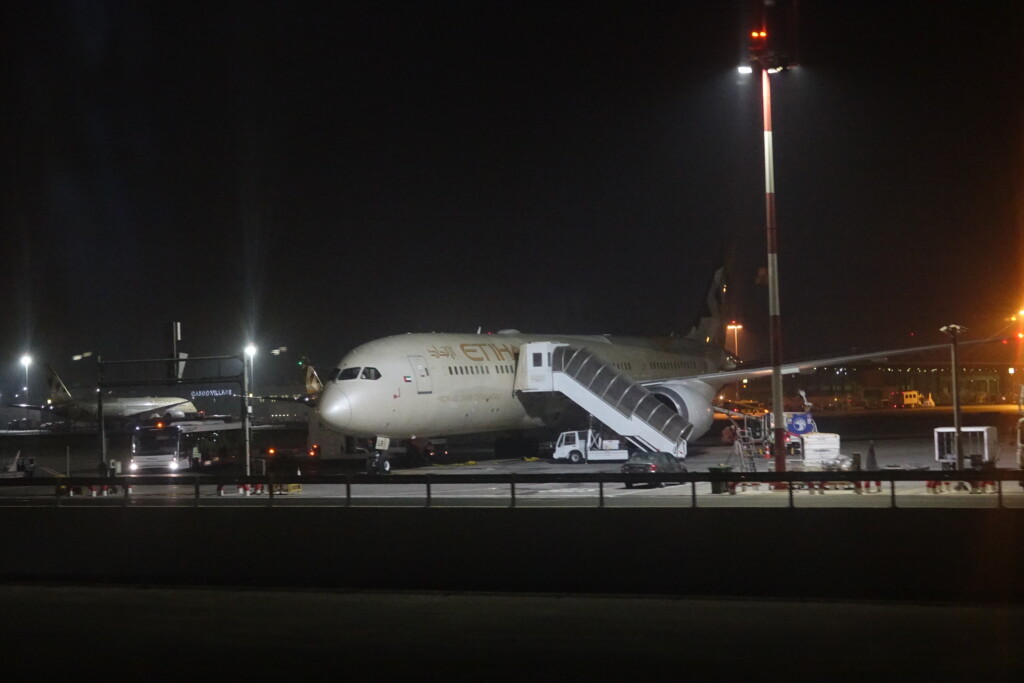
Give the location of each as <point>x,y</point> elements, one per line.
<point>624,406</point>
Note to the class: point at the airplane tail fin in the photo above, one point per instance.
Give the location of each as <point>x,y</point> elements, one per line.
<point>313,384</point>
<point>58,392</point>
<point>709,326</point>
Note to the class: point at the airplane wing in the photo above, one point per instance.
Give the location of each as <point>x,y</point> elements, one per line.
<point>805,366</point>
<point>150,409</point>
<point>29,406</point>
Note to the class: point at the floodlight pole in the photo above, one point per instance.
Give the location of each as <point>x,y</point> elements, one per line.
<point>245,408</point>
<point>774,313</point>
<point>955,331</point>
<point>99,410</point>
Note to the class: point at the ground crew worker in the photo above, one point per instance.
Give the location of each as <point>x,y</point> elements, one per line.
<point>871,465</point>
<point>104,472</point>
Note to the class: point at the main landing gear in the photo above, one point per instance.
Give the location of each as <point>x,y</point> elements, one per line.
<point>378,463</point>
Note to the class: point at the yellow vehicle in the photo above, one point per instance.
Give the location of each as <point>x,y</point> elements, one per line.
<point>905,399</point>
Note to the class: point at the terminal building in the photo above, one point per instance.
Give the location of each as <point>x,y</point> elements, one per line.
<point>873,384</point>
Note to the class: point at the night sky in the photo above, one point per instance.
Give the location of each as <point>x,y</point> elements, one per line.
<point>317,175</point>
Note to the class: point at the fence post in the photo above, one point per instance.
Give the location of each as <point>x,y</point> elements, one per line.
<point>789,488</point>
<point>693,491</point>
<point>600,489</point>
<point>512,488</point>
<point>428,490</point>
<point>195,502</point>
<point>348,490</point>
<point>892,492</point>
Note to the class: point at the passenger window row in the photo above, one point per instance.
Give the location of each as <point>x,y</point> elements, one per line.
<point>480,369</point>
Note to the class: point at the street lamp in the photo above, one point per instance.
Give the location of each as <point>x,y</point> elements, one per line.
<point>735,328</point>
<point>955,331</point>
<point>26,360</point>
<point>770,61</point>
<point>250,352</point>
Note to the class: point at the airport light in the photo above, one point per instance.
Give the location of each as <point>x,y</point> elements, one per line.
<point>250,352</point>
<point>735,327</point>
<point>769,61</point>
<point>26,360</point>
<point>954,331</point>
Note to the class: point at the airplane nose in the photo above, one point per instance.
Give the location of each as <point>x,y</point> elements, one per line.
<point>335,408</point>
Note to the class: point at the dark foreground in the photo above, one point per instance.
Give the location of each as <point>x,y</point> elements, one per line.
<point>122,632</point>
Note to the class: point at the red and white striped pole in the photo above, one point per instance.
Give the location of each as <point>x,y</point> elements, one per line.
<point>774,313</point>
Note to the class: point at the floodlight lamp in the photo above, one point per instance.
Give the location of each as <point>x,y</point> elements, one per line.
<point>746,69</point>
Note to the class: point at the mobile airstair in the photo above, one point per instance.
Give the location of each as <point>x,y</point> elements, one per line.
<point>625,407</point>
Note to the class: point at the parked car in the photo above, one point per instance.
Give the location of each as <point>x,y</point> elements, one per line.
<point>650,463</point>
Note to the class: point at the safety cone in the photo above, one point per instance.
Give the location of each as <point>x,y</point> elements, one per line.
<point>128,490</point>
<point>220,489</point>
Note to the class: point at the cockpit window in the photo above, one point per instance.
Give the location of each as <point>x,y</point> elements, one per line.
<point>334,374</point>
<point>348,373</point>
<point>371,373</point>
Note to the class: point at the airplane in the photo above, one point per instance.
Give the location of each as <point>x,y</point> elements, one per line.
<point>421,385</point>
<point>62,404</point>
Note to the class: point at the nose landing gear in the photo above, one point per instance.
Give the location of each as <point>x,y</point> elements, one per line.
<point>378,463</point>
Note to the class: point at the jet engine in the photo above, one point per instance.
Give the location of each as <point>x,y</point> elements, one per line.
<point>691,399</point>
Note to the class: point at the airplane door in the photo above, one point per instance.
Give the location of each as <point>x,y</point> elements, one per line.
<point>422,375</point>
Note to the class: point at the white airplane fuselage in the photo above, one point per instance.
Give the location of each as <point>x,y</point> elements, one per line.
<point>425,385</point>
